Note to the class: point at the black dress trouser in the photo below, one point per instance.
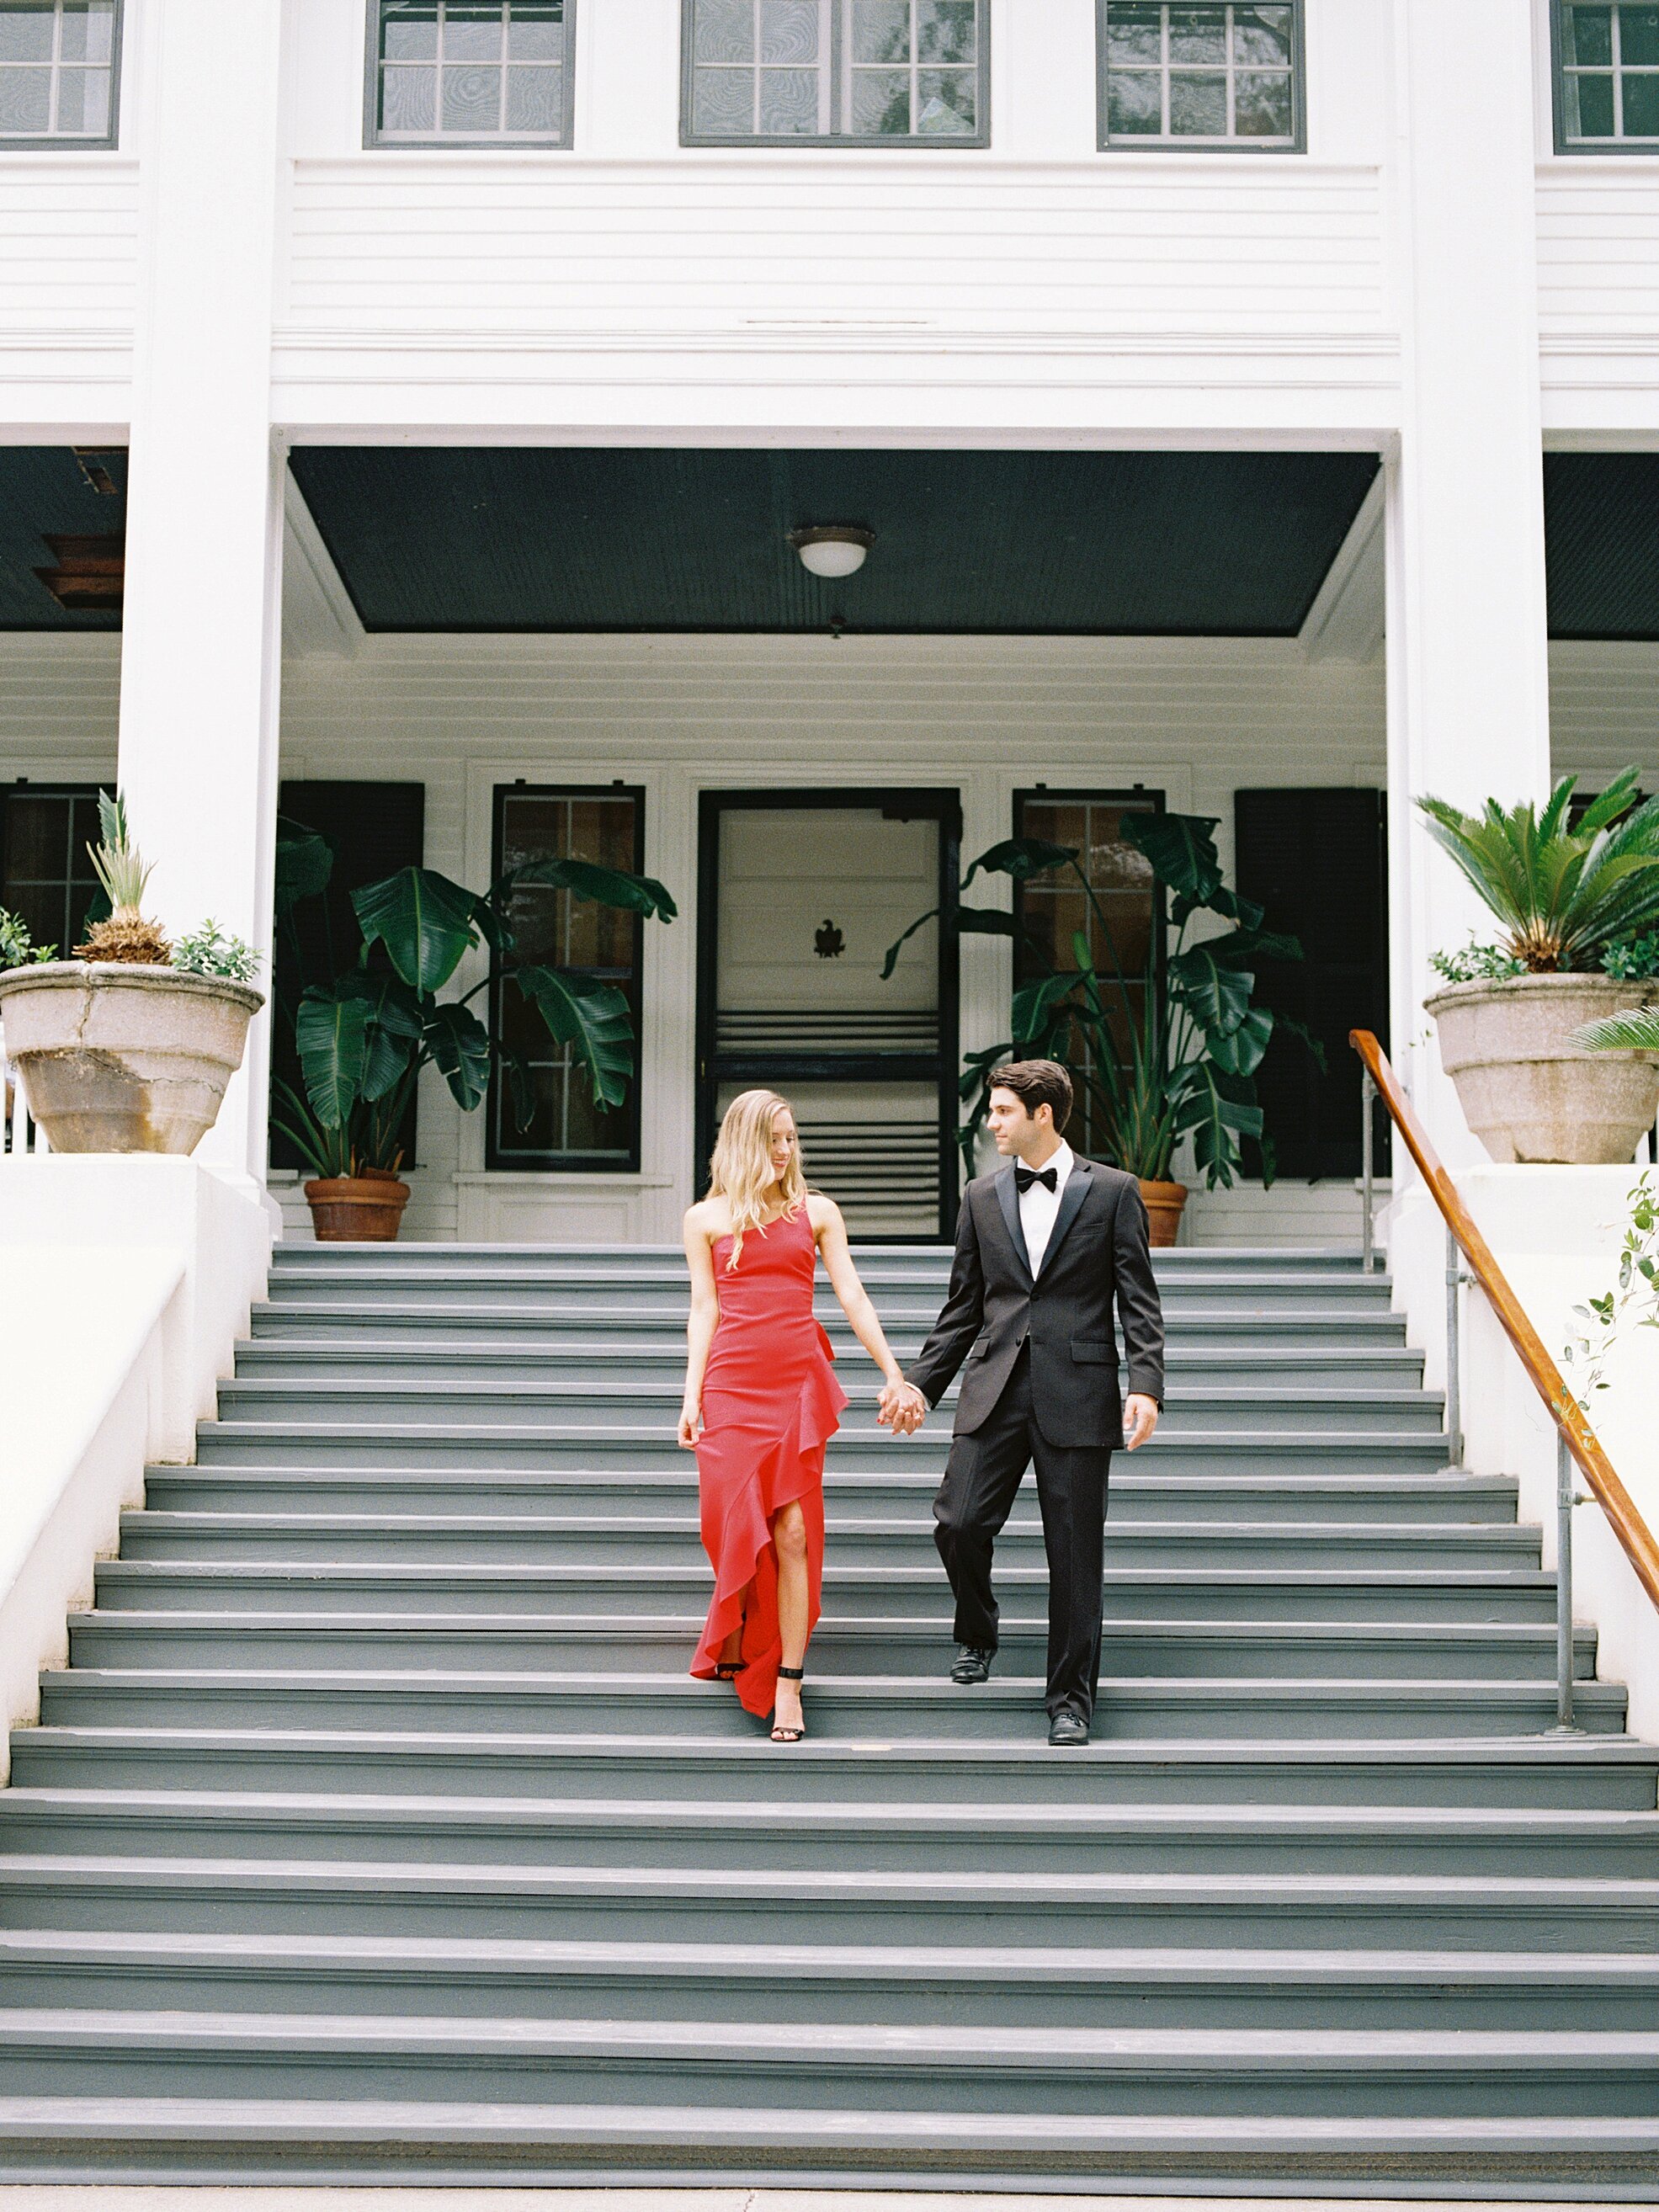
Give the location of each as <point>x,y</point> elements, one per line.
<point>981,1476</point>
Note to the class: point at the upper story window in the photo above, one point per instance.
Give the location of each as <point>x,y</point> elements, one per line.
<point>1201,73</point>
<point>1607,79</point>
<point>470,72</point>
<point>58,60</point>
<point>842,72</point>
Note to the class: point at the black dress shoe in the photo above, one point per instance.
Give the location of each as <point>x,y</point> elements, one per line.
<point>1069,1729</point>
<point>972,1664</point>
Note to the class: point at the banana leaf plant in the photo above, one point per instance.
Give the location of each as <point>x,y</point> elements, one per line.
<point>1158,1053</point>
<point>363,1036</point>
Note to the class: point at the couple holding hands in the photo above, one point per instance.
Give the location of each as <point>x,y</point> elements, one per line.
<point>1047,1246</point>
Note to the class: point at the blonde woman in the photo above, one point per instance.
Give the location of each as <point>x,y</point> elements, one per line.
<point>761,1402</point>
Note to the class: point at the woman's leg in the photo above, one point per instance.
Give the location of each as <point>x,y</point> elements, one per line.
<point>789,1542</point>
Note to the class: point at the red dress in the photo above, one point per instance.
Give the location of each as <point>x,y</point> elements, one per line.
<point>770,1403</point>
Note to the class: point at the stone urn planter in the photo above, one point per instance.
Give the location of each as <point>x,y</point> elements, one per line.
<point>124,1058</point>
<point>1163,1202</point>
<point>365,1209</point>
<point>1527,1090</point>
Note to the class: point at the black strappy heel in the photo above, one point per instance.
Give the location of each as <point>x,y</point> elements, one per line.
<point>729,1670</point>
<point>789,1735</point>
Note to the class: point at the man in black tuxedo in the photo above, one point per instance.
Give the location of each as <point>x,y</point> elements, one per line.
<point>1045,1246</point>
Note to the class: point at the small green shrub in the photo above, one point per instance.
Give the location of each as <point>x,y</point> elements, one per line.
<point>209,951</point>
<point>1632,959</point>
<point>1476,963</point>
<point>17,948</point>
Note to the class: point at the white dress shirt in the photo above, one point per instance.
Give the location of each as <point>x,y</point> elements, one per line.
<point>1039,1205</point>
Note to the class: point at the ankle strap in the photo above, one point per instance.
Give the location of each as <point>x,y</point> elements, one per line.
<point>792,1673</point>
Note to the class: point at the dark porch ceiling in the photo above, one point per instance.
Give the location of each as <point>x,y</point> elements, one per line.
<point>677,539</point>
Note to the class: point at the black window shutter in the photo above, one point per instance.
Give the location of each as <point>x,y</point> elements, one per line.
<point>375,828</point>
<point>1316,860</point>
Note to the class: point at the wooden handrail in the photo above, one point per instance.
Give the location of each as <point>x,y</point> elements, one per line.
<point>1545,1377</point>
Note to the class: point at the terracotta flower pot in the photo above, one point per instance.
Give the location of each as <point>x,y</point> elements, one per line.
<point>1528,1091</point>
<point>124,1058</point>
<point>365,1209</point>
<point>1163,1202</point>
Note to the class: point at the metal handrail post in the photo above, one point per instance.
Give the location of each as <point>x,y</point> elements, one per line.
<point>1368,1200</point>
<point>1564,1502</point>
<point>1454,1354</point>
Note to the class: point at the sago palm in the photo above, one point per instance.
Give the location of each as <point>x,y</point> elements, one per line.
<point>1560,892</point>
<point>1635,1031</point>
<point>125,934</point>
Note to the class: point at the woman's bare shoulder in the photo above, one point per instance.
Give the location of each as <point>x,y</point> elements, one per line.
<point>708,1218</point>
<point>822,1212</point>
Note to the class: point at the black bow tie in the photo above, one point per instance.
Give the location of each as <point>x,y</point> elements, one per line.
<point>1025,1177</point>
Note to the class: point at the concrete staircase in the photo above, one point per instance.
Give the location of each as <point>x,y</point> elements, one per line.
<point>375,1831</point>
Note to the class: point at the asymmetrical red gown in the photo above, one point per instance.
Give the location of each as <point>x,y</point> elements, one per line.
<point>770,1403</point>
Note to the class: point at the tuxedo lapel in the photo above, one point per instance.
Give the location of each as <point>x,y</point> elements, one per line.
<point>1008,1200</point>
<point>1071,1205</point>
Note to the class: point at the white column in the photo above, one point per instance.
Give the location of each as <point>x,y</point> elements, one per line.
<point>1467,655</point>
<point>200,654</point>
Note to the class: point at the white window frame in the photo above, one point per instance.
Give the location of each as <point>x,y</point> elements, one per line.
<point>1165,141</point>
<point>541,142</point>
<point>68,142</point>
<point>1561,70</point>
<point>835,92</point>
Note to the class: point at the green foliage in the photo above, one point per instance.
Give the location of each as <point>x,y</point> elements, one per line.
<point>1562,894</point>
<point>363,1036</point>
<point>1476,963</point>
<point>1632,959</point>
<point>116,862</point>
<point>1636,1032</point>
<point>209,951</point>
<point>1633,1303</point>
<point>1184,1064</point>
<point>17,948</point>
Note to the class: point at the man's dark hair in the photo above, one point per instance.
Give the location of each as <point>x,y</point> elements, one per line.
<point>1038,1083</point>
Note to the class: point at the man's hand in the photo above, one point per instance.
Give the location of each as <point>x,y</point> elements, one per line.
<point>1139,1419</point>
<point>900,1408</point>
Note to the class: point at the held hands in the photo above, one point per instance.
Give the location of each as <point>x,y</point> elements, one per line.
<point>900,1406</point>
<point>1139,1419</point>
<point>690,1424</point>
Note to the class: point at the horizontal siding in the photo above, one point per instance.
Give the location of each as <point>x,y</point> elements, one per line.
<point>69,246</point>
<point>1598,251</point>
<point>501,246</point>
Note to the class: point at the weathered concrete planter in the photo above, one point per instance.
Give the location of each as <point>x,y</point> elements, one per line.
<point>117,1059</point>
<point>1527,1090</point>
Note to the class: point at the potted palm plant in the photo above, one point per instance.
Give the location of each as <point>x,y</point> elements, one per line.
<point>363,1036</point>
<point>1160,1055</point>
<point>129,1047</point>
<point>1578,904</point>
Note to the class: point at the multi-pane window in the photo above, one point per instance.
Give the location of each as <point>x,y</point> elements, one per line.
<point>1608,77</point>
<point>1201,73</point>
<point>58,71</point>
<point>471,72</point>
<point>46,870</point>
<point>565,1129</point>
<point>1050,911</point>
<point>850,71</point>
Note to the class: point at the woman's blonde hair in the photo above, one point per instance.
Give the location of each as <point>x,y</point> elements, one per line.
<point>740,1168</point>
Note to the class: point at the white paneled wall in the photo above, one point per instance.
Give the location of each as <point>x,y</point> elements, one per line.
<point>1195,718</point>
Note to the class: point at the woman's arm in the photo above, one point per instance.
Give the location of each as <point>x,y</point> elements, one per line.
<point>831,1233</point>
<point>700,1330</point>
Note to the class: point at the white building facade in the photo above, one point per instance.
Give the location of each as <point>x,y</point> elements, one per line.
<point>459,373</point>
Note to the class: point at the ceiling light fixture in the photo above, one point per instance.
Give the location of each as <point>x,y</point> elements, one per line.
<point>832,549</point>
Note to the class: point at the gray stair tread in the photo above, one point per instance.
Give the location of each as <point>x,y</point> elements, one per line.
<point>717,2132</point>
<point>1559,1895</point>
<point>1524,1752</point>
<point>1388,1823</point>
<point>464,1573</point>
<point>828,2045</point>
<point>300,1952</point>
<point>505,1627</point>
